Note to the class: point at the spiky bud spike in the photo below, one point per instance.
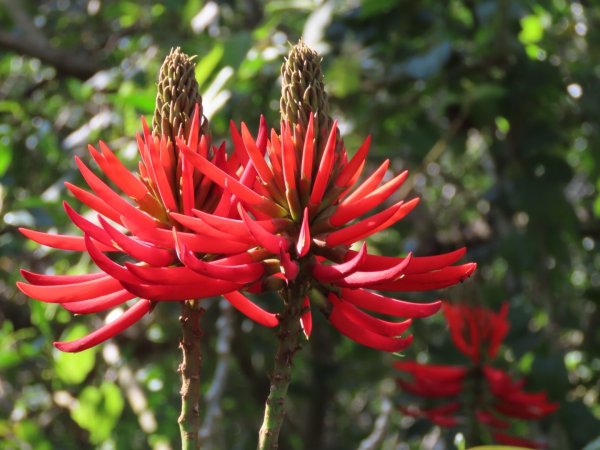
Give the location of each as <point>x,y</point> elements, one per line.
<point>177,96</point>
<point>303,91</point>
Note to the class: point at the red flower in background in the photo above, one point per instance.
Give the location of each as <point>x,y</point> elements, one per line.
<point>147,233</point>
<point>303,212</point>
<point>476,390</point>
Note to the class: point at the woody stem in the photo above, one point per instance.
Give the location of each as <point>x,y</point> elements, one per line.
<point>288,337</point>
<point>189,419</point>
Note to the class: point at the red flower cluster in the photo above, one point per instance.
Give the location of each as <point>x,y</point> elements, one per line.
<point>148,233</point>
<point>275,211</point>
<point>492,395</point>
<point>308,193</point>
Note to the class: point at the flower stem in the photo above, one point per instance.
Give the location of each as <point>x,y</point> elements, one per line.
<point>189,419</point>
<point>288,337</point>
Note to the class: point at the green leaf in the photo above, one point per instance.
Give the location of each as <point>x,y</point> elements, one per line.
<point>532,30</point>
<point>207,65</point>
<point>98,410</point>
<point>5,157</point>
<point>72,368</point>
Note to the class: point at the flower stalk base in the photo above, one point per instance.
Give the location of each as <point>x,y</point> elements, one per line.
<point>288,345</point>
<point>189,419</point>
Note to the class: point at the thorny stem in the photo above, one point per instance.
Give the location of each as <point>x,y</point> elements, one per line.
<point>288,337</point>
<point>189,419</point>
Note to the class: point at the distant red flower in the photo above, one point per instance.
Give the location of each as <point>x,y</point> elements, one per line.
<point>167,187</point>
<point>302,210</point>
<point>494,396</point>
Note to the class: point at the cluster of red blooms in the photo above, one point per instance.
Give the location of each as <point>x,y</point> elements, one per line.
<point>488,395</point>
<point>277,210</point>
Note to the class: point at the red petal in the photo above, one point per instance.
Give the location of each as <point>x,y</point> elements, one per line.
<point>186,185</point>
<point>225,180</point>
<point>179,292</point>
<point>86,226</point>
<point>367,186</point>
<point>246,273</point>
<point>304,240</point>
<point>199,226</point>
<point>306,317</point>
<point>61,241</point>
<point>355,331</point>
<point>169,276</point>
<point>439,279</point>
<point>108,265</point>
<point>139,250</point>
<point>256,156</point>
<point>54,280</point>
<point>386,305</point>
<point>337,271</point>
<point>265,239</point>
<point>158,174</point>
<point>128,318</point>
<point>164,238</point>
<point>348,211</point>
<point>71,292</point>
<point>237,226</point>
<point>449,374</point>
<point>118,173</point>
<point>351,172</point>
<point>359,230</point>
<point>418,264</point>
<point>325,168</point>
<point>96,203</point>
<point>99,304</point>
<point>377,326</point>
<point>111,197</point>
<point>308,153</point>
<point>289,268</point>
<point>251,309</point>
<point>364,279</point>
<point>274,152</point>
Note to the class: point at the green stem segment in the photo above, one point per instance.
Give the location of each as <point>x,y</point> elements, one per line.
<point>189,419</point>
<point>288,338</point>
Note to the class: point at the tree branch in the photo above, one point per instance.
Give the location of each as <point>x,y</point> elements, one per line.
<point>28,40</point>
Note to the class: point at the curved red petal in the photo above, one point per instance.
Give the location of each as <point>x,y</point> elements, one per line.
<point>99,304</point>
<point>265,239</point>
<point>378,326</point>
<point>325,168</point>
<point>128,318</point>
<point>418,264</point>
<point>108,265</point>
<point>75,292</point>
<point>251,309</point>
<point>365,279</point>
<point>439,279</point>
<point>94,202</point>
<point>164,238</point>
<point>179,292</point>
<point>61,241</point>
<point>351,172</point>
<point>335,272</point>
<point>348,327</point>
<point>386,305</point>
<point>306,317</point>
<point>349,210</point>
<point>304,239</point>
<point>369,185</point>
<point>55,280</point>
<point>142,251</point>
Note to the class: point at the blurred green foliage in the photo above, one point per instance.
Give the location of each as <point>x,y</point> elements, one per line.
<point>492,105</point>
